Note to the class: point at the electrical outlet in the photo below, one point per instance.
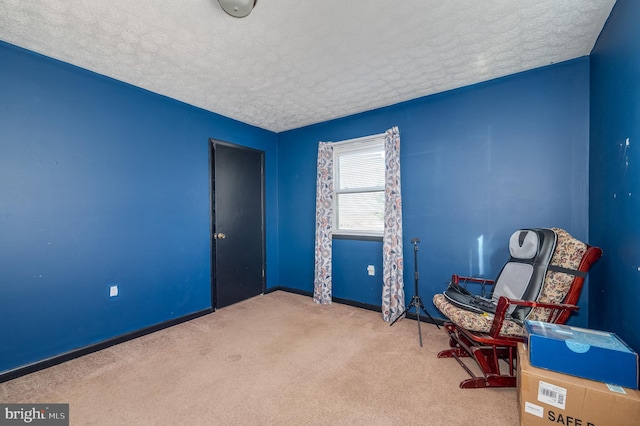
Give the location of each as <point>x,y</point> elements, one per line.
<point>371,270</point>
<point>113,291</point>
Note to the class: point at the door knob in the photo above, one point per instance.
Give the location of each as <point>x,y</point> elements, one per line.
<point>219,236</point>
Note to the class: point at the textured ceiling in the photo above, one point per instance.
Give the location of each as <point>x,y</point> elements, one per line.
<point>291,63</point>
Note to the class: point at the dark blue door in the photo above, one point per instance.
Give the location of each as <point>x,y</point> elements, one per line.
<point>237,241</point>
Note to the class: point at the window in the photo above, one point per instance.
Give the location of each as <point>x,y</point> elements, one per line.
<point>359,185</point>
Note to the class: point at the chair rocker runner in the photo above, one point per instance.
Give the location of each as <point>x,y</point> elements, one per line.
<point>542,280</point>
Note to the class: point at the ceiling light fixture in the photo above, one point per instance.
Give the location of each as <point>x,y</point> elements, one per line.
<point>237,8</point>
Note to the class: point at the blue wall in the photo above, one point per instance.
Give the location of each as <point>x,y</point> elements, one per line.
<point>615,174</point>
<point>350,267</point>
<point>477,163</point>
<point>103,183</point>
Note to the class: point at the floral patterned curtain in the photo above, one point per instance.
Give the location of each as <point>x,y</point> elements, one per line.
<point>392,257</point>
<point>324,210</point>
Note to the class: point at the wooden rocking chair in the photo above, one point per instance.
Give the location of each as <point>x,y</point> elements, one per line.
<point>491,338</point>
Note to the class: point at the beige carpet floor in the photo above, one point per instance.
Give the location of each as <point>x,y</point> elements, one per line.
<point>277,359</point>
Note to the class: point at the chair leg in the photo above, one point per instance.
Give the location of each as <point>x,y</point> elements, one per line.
<point>460,346</point>
<point>486,357</point>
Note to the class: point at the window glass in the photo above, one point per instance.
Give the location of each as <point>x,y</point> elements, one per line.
<point>361,169</point>
<point>359,187</point>
<point>361,211</point>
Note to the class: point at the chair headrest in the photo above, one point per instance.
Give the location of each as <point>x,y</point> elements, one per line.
<point>523,244</point>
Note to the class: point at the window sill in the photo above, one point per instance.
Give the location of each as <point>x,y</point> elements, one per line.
<point>357,237</point>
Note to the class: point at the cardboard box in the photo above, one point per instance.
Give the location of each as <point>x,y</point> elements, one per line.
<point>550,398</point>
<point>591,354</point>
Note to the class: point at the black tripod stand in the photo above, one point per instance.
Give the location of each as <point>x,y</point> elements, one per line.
<point>416,301</point>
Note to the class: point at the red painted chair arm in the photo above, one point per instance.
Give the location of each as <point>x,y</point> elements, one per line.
<point>555,311</point>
